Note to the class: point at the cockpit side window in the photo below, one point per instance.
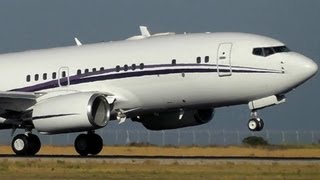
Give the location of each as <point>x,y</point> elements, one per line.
<point>268,51</point>
<point>258,51</point>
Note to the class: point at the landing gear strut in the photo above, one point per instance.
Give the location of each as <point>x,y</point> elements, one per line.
<point>255,123</point>
<point>26,144</point>
<point>90,143</point>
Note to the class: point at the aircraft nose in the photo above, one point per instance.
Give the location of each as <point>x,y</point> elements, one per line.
<point>310,68</point>
<point>300,69</point>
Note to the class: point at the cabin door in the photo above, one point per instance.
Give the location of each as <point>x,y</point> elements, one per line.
<point>224,59</point>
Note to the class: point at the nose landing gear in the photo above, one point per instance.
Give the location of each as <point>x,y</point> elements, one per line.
<point>255,123</point>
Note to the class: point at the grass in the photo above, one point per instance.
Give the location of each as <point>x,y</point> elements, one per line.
<point>151,169</point>
<point>59,169</point>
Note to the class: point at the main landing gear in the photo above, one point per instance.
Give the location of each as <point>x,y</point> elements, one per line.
<point>29,144</point>
<point>255,123</point>
<point>90,143</point>
<point>26,144</point>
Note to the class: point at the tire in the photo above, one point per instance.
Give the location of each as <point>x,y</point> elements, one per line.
<point>253,124</point>
<point>260,124</point>
<point>20,145</point>
<point>34,144</point>
<point>81,145</point>
<point>95,144</point>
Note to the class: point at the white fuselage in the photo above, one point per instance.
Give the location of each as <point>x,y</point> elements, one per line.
<point>232,75</point>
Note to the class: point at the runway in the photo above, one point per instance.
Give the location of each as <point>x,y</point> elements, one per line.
<point>166,160</point>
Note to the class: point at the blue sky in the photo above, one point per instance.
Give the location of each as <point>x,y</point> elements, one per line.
<point>37,24</point>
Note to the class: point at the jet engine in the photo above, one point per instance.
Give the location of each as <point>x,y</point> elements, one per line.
<point>71,113</point>
<point>173,120</point>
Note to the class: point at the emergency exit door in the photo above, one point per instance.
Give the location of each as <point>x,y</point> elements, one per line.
<point>63,77</point>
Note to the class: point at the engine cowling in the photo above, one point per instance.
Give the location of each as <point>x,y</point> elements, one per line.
<point>71,113</point>
<point>170,120</point>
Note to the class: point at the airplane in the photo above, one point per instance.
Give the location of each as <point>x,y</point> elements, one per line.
<point>164,81</point>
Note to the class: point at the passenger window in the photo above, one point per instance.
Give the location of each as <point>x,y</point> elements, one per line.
<point>64,74</point>
<point>86,71</point>
<point>44,76</point>
<point>79,72</point>
<point>174,62</point>
<point>206,59</point>
<point>133,66</point>
<point>28,78</point>
<point>118,68</point>
<point>94,70</point>
<point>198,60</point>
<point>125,67</point>
<point>36,77</point>
<point>54,75</point>
<point>102,68</point>
<point>257,51</point>
<point>268,51</point>
<point>141,66</point>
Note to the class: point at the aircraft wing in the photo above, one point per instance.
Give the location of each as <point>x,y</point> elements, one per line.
<point>16,101</point>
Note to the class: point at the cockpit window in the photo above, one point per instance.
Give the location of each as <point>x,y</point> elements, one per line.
<point>279,49</point>
<point>267,51</point>
<point>257,51</point>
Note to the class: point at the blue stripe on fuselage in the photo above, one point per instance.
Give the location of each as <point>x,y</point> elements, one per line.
<point>110,74</point>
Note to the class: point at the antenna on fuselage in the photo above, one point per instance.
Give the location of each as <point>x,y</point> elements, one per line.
<point>77,41</point>
<point>144,31</point>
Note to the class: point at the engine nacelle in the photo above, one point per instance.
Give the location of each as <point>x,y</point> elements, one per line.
<point>170,120</point>
<point>71,113</point>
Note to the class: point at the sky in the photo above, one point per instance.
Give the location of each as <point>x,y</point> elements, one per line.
<point>39,24</point>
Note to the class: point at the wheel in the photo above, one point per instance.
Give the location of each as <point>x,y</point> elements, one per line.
<point>253,124</point>
<point>20,145</point>
<point>95,144</point>
<point>81,144</point>
<point>34,144</point>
